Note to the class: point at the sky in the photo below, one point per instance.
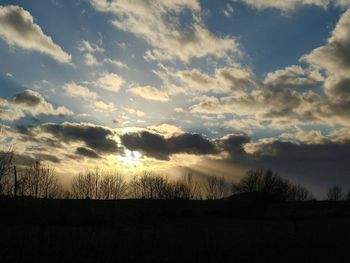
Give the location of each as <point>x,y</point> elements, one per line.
<point>212,87</point>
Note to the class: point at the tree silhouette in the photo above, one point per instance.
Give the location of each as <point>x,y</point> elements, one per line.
<point>215,188</point>
<point>270,184</point>
<point>112,186</point>
<point>335,193</point>
<point>6,159</point>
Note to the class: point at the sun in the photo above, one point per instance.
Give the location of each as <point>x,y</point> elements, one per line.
<point>131,158</point>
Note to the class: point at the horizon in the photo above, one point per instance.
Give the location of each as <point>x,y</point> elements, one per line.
<point>175,86</point>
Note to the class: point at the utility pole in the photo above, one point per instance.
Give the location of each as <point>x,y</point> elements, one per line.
<point>15,185</point>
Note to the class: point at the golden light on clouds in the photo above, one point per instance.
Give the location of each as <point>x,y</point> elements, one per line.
<point>131,159</point>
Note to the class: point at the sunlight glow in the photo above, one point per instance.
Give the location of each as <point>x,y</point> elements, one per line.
<point>131,158</point>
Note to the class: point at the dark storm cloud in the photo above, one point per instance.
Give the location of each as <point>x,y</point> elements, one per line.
<point>150,144</point>
<point>233,144</point>
<point>191,143</point>
<point>29,160</point>
<point>86,152</point>
<point>318,166</point>
<point>28,98</point>
<point>95,137</point>
<point>47,157</point>
<point>340,89</point>
<point>25,129</point>
<point>159,147</point>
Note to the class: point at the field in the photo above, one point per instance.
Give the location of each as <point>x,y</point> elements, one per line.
<point>172,231</point>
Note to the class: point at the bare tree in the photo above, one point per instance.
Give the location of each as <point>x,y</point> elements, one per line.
<point>335,193</point>
<point>187,188</point>
<point>6,158</point>
<point>191,187</point>
<point>86,185</point>
<point>215,188</point>
<point>298,192</point>
<point>112,186</point>
<point>149,186</point>
<point>270,184</point>
<point>36,181</point>
<point>250,182</point>
<point>49,187</point>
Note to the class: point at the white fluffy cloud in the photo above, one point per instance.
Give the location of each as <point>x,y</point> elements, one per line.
<point>90,60</point>
<point>103,106</point>
<point>293,76</point>
<point>115,62</point>
<point>110,82</point>
<point>290,5</point>
<point>86,46</point>
<point>18,29</point>
<point>150,93</point>
<point>157,22</point>
<point>334,58</point>
<point>223,80</point>
<point>75,90</point>
<point>273,101</point>
<point>335,55</point>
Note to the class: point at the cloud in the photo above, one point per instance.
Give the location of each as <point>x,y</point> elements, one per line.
<point>150,93</point>
<point>18,29</point>
<point>28,98</point>
<point>29,101</point>
<point>75,90</point>
<point>228,11</point>
<point>306,137</point>
<point>264,104</point>
<point>291,5</point>
<point>293,76</point>
<point>30,159</point>
<point>63,144</point>
<point>116,63</point>
<point>335,55</point>
<point>150,144</point>
<point>234,145</point>
<point>97,138</point>
<point>110,82</point>
<point>86,152</point>
<point>90,60</point>
<point>326,162</point>
<point>223,80</point>
<point>86,46</point>
<point>159,147</point>
<point>166,130</point>
<point>103,106</point>
<point>136,112</point>
<point>334,58</point>
<point>46,157</point>
<point>157,22</point>
<point>244,124</point>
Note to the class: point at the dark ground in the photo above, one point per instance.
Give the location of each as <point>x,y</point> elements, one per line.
<point>172,231</point>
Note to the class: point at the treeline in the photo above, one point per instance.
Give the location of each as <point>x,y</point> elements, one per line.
<point>41,181</point>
